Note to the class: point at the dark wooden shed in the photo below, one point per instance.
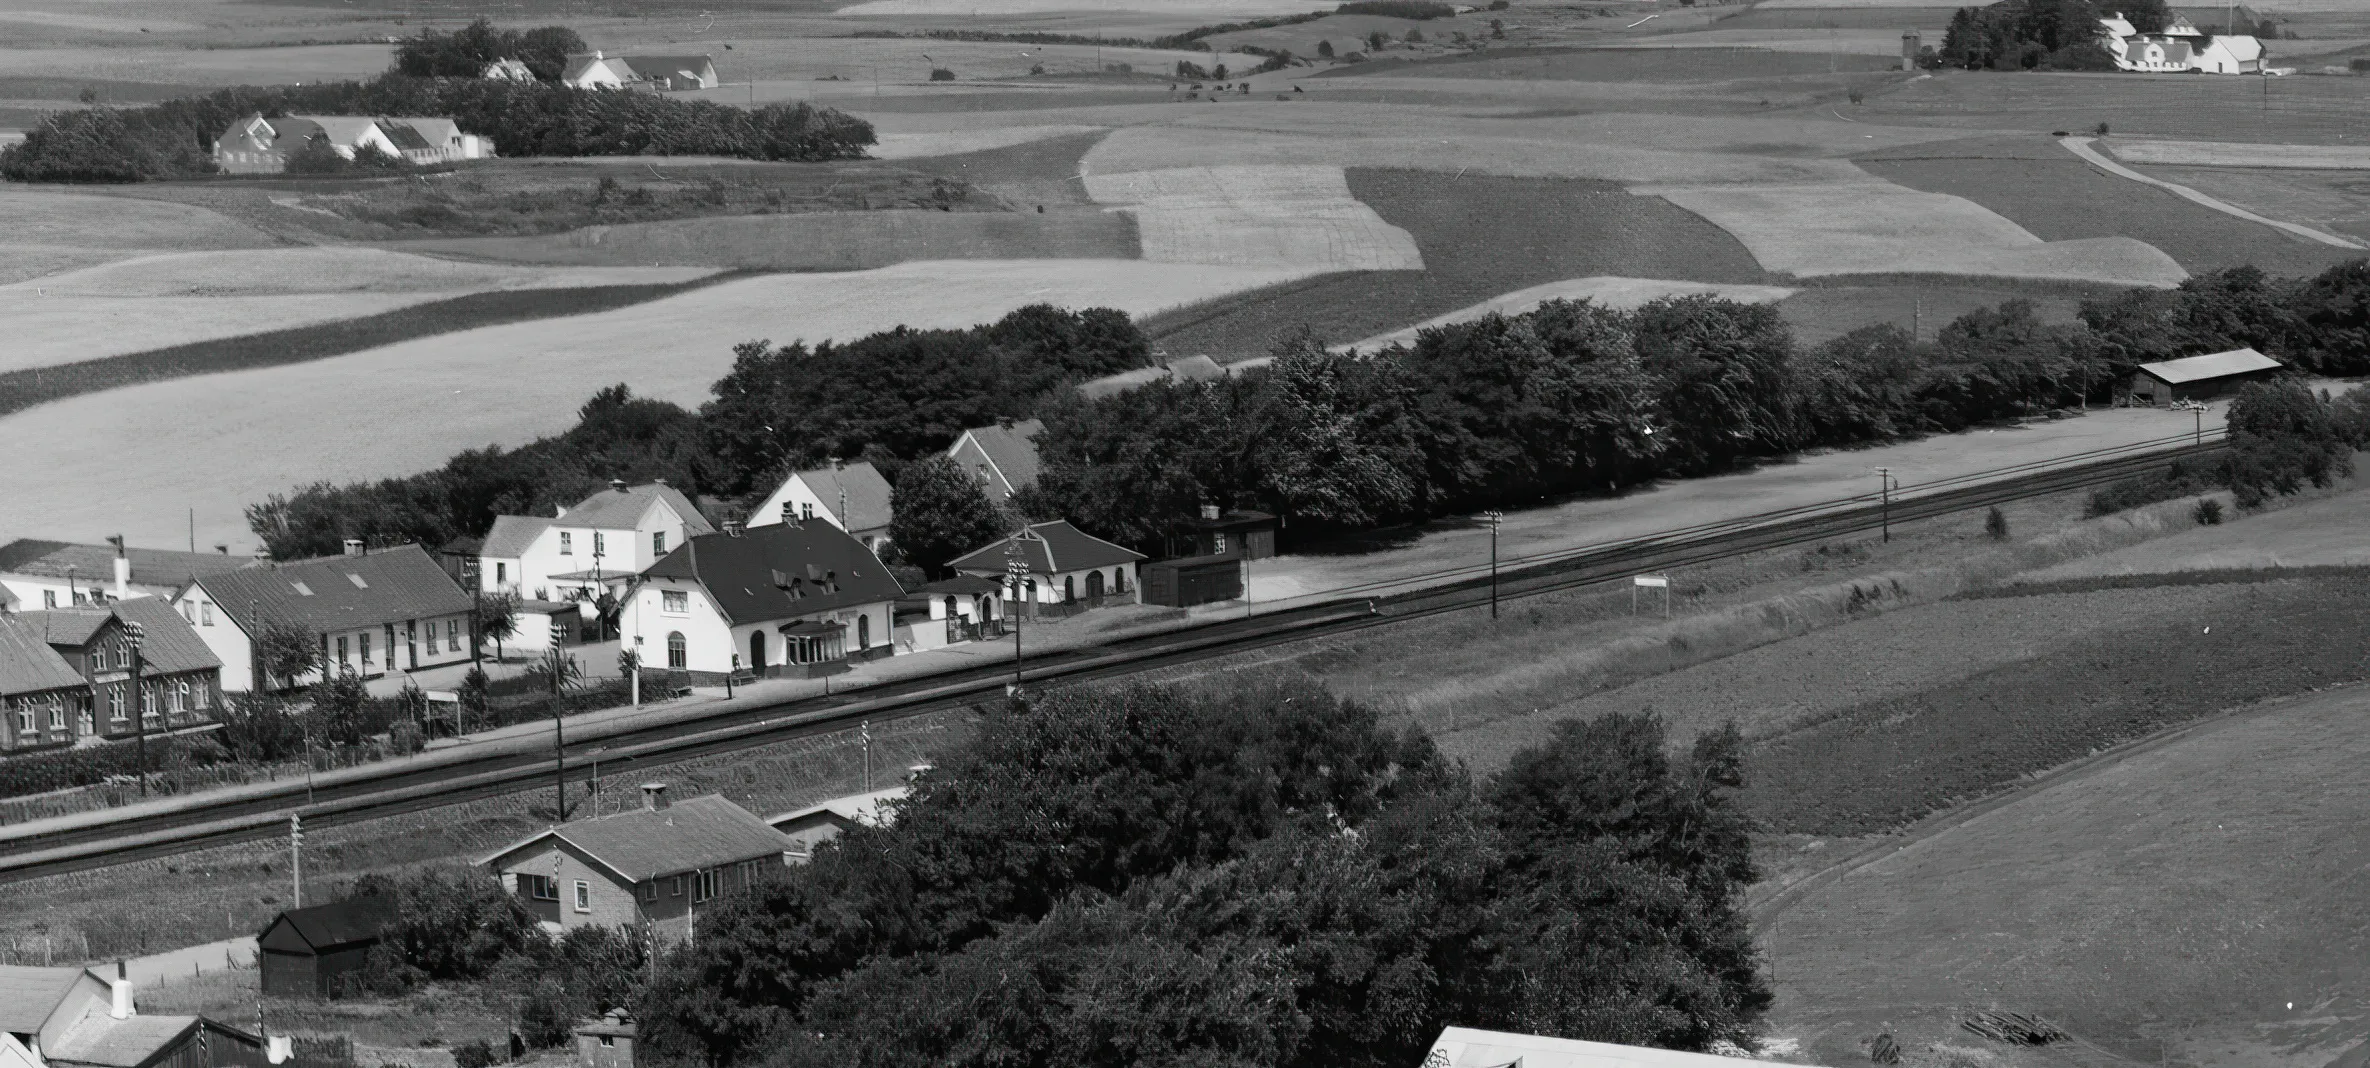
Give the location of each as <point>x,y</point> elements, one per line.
<point>1250,535</point>
<point>1193,580</point>
<point>305,950</point>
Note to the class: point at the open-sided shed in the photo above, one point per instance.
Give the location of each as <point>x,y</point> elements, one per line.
<point>304,951</point>
<point>2201,377</point>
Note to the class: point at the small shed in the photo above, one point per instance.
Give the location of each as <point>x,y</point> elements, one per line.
<point>1250,535</point>
<point>607,1042</point>
<point>1193,580</point>
<point>2200,377</point>
<point>305,950</point>
<point>816,824</point>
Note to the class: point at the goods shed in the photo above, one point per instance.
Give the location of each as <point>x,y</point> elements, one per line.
<point>304,951</point>
<point>1193,580</point>
<point>2200,377</point>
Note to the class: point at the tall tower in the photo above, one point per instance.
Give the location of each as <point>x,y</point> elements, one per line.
<point>1909,45</point>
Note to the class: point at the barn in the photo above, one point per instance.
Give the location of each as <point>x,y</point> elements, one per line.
<point>2200,377</point>
<point>305,950</point>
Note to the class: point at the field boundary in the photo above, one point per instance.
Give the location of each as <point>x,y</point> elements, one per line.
<point>35,386</point>
<point>2080,146</point>
<point>1766,912</point>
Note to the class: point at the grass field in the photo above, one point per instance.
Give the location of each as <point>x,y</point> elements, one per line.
<point>1703,63</point>
<point>1624,293</point>
<point>2303,111</point>
<point>1481,237</point>
<point>1777,15</point>
<point>2224,154</point>
<point>1875,227</point>
<point>210,67</point>
<point>235,438</point>
<point>2322,533</point>
<point>2195,904</point>
<point>1256,216</point>
<point>836,242</point>
<point>42,231</point>
<point>1348,33</point>
<point>2057,197</point>
<point>2336,201</point>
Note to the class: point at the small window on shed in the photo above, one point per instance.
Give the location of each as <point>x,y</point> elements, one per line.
<point>608,1040</point>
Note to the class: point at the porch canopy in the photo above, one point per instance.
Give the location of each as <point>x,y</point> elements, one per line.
<point>813,641</point>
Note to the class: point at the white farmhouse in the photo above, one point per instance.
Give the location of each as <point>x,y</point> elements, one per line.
<point>2181,49</point>
<point>789,599</point>
<point>599,543</point>
<point>853,497</point>
<point>596,71</point>
<point>372,613</point>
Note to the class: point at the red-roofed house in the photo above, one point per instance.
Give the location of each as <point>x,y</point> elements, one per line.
<point>1003,457</point>
<point>1066,566</point>
<point>654,866</point>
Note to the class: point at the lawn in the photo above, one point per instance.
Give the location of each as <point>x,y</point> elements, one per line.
<point>1481,237</point>
<point>1876,227</point>
<point>2200,901</point>
<point>218,442</point>
<point>2057,197</point>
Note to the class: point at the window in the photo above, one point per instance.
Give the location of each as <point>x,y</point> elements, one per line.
<point>49,598</point>
<point>452,635</point>
<point>678,657</point>
<point>115,704</point>
<point>608,1040</point>
<point>567,544</point>
<point>341,652</point>
<point>674,602</point>
<point>678,886</point>
<point>501,573</point>
<point>201,696</point>
<point>540,887</point>
<point>178,702</point>
<point>658,543</point>
<point>206,614</point>
<point>24,717</point>
<point>650,892</point>
<point>57,712</point>
<point>806,510</point>
<point>600,544</point>
<point>188,612</point>
<point>583,896</point>
<point>705,885</point>
<point>365,640</point>
<point>1220,542</point>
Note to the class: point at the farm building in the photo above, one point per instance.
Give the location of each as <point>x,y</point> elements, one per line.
<point>816,824</point>
<point>853,497</point>
<point>1065,566</point>
<point>257,145</point>
<point>1003,456</point>
<point>58,574</point>
<point>600,70</point>
<point>2200,377</point>
<point>652,866</point>
<point>2181,49</point>
<point>799,599</point>
<point>1466,1047</point>
<point>1250,535</point>
<point>304,951</point>
<point>71,1017</point>
<point>1193,580</point>
<point>372,612</point>
<point>607,1042</point>
<point>508,70</point>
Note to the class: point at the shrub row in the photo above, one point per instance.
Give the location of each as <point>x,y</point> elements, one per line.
<point>65,769</point>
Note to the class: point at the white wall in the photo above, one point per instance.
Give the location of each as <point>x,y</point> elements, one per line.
<point>223,638</point>
<point>232,646</point>
<point>710,642</point>
<point>624,551</point>
<point>1049,589</point>
<point>811,505</point>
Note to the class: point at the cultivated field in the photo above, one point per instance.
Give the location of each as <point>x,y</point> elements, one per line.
<point>1875,227</point>
<point>916,145</point>
<point>2302,111</point>
<point>1624,293</point>
<point>1253,216</point>
<point>2223,154</point>
<point>2335,201</point>
<point>43,232</point>
<point>1629,61</point>
<point>236,438</point>
<point>852,241</point>
<point>1219,9</point>
<point>202,67</point>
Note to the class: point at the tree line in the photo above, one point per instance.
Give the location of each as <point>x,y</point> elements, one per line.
<point>2043,34</point>
<point>175,138</point>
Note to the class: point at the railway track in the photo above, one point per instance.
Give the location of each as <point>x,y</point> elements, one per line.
<point>516,765</point>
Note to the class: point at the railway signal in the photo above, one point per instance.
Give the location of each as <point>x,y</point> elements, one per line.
<point>1493,518</point>
<point>296,861</point>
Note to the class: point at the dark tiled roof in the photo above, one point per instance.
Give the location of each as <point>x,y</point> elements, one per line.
<point>29,995</point>
<point>403,136</point>
<point>868,493</point>
<point>105,1042</point>
<point>700,832</point>
<point>622,509</point>
<point>29,665</point>
<point>339,923</point>
<point>962,585</point>
<point>169,644</point>
<point>95,564</point>
<point>666,66</point>
<point>1012,449</point>
<point>1058,547</point>
<point>396,584</point>
<point>751,577</point>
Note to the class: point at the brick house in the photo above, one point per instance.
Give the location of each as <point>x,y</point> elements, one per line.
<point>654,867</point>
<point>43,700</point>
<point>180,678</point>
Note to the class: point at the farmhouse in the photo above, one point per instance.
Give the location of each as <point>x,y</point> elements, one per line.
<point>853,497</point>
<point>2182,48</point>
<point>607,1042</point>
<point>796,599</point>
<point>508,70</point>
<point>1065,566</point>
<point>304,951</point>
<point>180,678</point>
<point>2200,377</point>
<point>257,145</point>
<point>597,544</point>
<point>372,613</point>
<point>816,824</point>
<point>650,867</point>
<point>599,70</point>
<point>1003,457</point>
<point>57,574</point>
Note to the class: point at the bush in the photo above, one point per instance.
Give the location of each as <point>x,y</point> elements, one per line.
<point>941,74</point>
<point>1995,524</point>
<point>1399,9</point>
<point>2208,512</point>
<point>477,1054</point>
<point>2100,129</point>
<point>544,1020</point>
<point>40,773</point>
<point>2178,480</point>
<point>1499,5</point>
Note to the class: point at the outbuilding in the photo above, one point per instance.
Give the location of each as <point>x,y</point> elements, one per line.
<point>607,1042</point>
<point>816,824</point>
<point>1250,535</point>
<point>2200,377</point>
<point>1063,566</point>
<point>1193,580</point>
<point>304,951</point>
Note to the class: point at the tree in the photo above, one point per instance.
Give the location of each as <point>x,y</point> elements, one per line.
<point>259,728</point>
<point>1325,49</point>
<point>938,512</point>
<point>340,706</point>
<point>2281,438</point>
<point>450,924</point>
<point>495,616</point>
<point>545,50</point>
<point>285,652</point>
<point>1336,443</point>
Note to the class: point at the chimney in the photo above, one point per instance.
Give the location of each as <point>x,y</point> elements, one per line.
<point>123,569</point>
<point>596,53</point>
<point>121,1008</point>
<point>790,512</point>
<point>654,796</point>
<point>1209,512</point>
<point>617,484</point>
<point>280,1049</point>
<point>353,546</point>
<point>263,554</point>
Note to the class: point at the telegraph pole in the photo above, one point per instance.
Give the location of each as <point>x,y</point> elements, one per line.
<point>296,860</point>
<point>864,731</point>
<point>1884,476</point>
<point>133,634</point>
<point>1017,571</point>
<point>1493,518</point>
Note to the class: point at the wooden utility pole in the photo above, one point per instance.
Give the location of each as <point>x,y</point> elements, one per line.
<point>133,635</point>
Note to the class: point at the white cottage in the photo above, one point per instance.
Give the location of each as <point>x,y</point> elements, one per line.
<point>790,599</point>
